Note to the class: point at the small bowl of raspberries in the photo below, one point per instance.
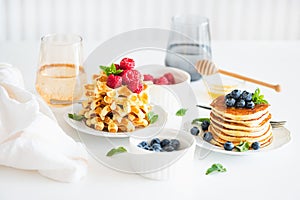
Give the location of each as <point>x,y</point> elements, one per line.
<point>162,75</point>
<point>169,88</point>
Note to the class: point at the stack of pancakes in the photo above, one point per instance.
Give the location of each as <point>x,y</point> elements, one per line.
<point>240,124</point>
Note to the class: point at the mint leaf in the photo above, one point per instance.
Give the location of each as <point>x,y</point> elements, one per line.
<point>114,151</point>
<point>258,98</point>
<point>181,112</point>
<point>243,146</point>
<point>215,168</point>
<point>200,120</point>
<point>111,69</point>
<point>152,117</point>
<point>114,69</point>
<point>75,116</point>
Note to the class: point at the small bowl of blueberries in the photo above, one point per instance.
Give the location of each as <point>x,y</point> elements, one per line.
<point>169,153</point>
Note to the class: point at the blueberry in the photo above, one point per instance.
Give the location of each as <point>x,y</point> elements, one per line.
<point>240,103</point>
<point>228,146</point>
<point>204,125</point>
<point>255,145</point>
<point>207,136</point>
<point>236,94</point>
<point>250,104</point>
<point>246,96</point>
<point>155,141</point>
<point>175,143</point>
<point>156,147</point>
<point>142,144</point>
<point>194,131</point>
<point>164,143</point>
<point>168,148</point>
<point>230,102</point>
<point>147,147</point>
<point>227,96</point>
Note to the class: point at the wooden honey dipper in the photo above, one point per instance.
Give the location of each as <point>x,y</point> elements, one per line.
<point>206,67</point>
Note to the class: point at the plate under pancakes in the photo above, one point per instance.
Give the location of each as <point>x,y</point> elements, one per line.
<point>240,124</point>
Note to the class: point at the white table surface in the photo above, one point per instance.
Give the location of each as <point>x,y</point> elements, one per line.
<point>272,175</point>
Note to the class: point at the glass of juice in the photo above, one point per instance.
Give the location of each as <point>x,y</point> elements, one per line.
<point>60,74</point>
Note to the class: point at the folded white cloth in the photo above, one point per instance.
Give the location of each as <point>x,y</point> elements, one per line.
<point>30,138</point>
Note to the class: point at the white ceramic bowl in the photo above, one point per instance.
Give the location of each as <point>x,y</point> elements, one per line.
<point>163,165</point>
<point>171,97</point>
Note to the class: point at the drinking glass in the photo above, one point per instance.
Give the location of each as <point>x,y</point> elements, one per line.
<point>60,74</point>
<point>189,41</point>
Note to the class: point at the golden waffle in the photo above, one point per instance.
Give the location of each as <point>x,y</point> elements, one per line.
<point>114,110</point>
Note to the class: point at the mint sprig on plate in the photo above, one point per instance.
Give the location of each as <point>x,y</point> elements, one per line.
<point>243,146</point>
<point>114,151</point>
<point>76,117</point>
<point>259,98</point>
<point>200,120</point>
<point>108,70</point>
<point>152,117</point>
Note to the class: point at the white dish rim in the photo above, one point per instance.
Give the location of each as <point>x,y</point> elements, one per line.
<point>281,137</point>
<point>80,126</point>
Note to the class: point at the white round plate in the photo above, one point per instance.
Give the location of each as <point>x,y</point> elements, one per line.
<point>281,136</point>
<point>146,132</point>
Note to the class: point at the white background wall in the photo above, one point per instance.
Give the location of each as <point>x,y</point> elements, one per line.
<point>100,19</point>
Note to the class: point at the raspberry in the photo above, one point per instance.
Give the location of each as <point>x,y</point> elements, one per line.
<point>148,77</point>
<point>135,86</point>
<point>161,81</point>
<point>117,66</point>
<point>131,76</point>
<point>170,78</point>
<point>114,81</point>
<point>127,63</point>
<point>123,72</point>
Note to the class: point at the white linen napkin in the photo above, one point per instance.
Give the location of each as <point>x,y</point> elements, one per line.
<point>30,138</point>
